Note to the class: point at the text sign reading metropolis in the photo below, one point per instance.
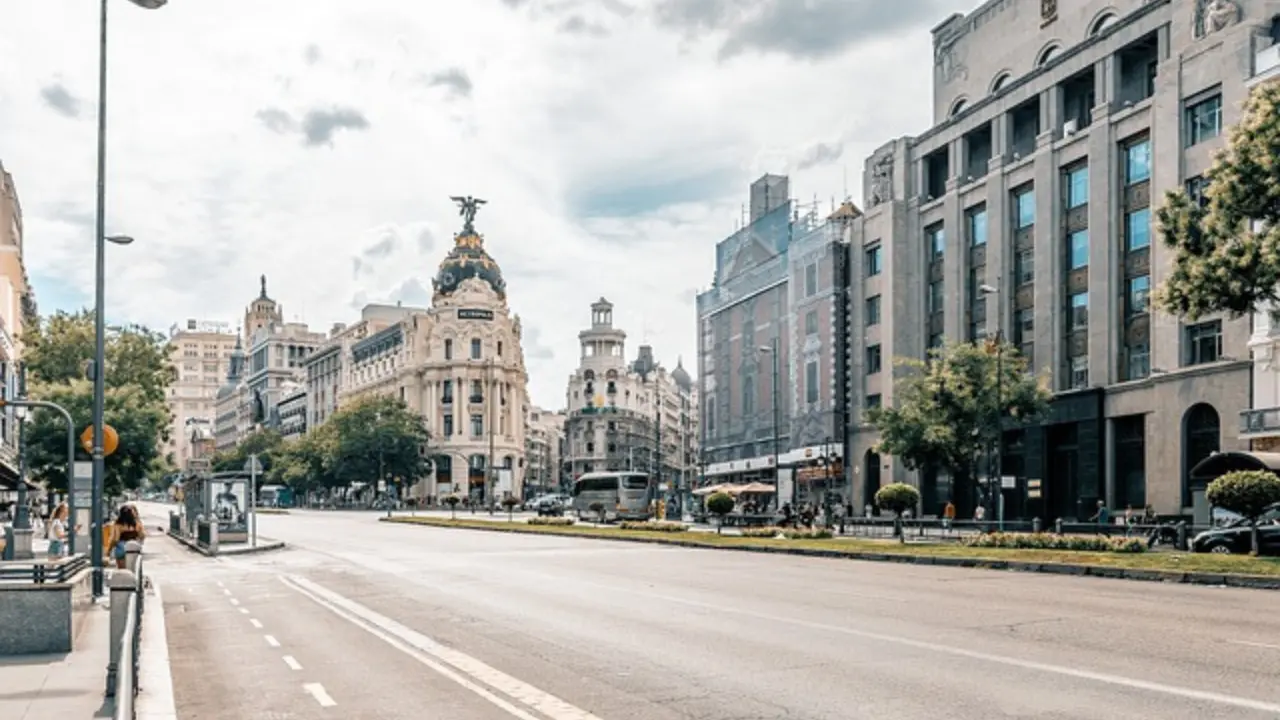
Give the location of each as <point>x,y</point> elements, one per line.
<point>474,314</point>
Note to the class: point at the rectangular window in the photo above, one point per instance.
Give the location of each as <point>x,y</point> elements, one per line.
<point>477,425</point>
<point>1139,362</point>
<point>748,395</point>
<point>1137,233</point>
<point>1137,294</point>
<point>1024,326</point>
<point>1137,162</point>
<point>1196,188</point>
<point>1203,120</point>
<point>934,299</point>
<point>811,322</point>
<point>1078,372</point>
<point>446,392</point>
<point>1204,342</point>
<point>499,348</point>
<point>936,239</point>
<point>935,341</point>
<point>811,382</point>
<point>475,348</point>
<point>448,349</point>
<point>1024,267</point>
<point>873,400</point>
<point>977,226</point>
<point>1078,312</point>
<point>872,256</point>
<point>1024,208</point>
<point>811,280</point>
<point>477,391</point>
<point>873,359</point>
<point>871,311</point>
<point>1078,249</point>
<point>1077,187</point>
<point>448,425</point>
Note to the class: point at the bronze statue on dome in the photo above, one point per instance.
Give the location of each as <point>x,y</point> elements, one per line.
<point>467,208</point>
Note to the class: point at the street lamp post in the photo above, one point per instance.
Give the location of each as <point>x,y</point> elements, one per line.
<point>772,350</point>
<point>995,467</point>
<point>99,353</point>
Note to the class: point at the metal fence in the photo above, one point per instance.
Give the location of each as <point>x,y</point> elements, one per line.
<point>128,592</point>
<point>55,571</point>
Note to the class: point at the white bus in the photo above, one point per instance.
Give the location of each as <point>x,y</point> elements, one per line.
<point>622,495</point>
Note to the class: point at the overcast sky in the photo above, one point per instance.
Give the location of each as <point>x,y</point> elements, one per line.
<point>318,142</point>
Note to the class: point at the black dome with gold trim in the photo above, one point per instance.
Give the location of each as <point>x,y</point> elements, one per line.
<point>468,258</point>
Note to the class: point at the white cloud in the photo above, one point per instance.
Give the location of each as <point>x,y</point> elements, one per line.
<point>318,143</point>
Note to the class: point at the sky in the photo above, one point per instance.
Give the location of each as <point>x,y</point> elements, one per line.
<point>317,142</point>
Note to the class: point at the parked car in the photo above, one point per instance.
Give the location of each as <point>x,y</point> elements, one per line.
<point>1234,536</point>
<point>549,504</point>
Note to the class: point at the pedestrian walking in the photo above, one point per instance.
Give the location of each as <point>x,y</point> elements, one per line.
<point>58,531</point>
<point>127,528</point>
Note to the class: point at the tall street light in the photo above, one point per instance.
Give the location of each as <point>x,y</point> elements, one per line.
<point>772,350</point>
<point>99,351</point>
<point>996,482</point>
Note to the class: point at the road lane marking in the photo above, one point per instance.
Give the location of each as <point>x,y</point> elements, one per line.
<point>220,584</point>
<point>1247,643</point>
<point>226,592</point>
<point>235,601</point>
<point>256,623</point>
<point>271,640</point>
<point>293,664</point>
<point>446,661</point>
<point>317,692</point>
<point>1078,673</point>
<point>244,611</point>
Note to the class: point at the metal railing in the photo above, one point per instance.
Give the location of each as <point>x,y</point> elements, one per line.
<point>39,573</point>
<point>127,605</point>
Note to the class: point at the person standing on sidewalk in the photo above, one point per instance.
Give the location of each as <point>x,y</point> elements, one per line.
<point>127,528</point>
<point>58,531</point>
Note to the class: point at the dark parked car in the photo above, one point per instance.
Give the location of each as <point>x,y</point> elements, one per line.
<point>1234,536</point>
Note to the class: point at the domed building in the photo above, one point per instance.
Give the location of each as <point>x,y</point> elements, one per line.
<point>460,364</point>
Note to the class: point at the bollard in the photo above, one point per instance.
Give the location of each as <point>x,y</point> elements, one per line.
<point>1035,525</point>
<point>123,584</point>
<point>1057,526</point>
<point>132,551</point>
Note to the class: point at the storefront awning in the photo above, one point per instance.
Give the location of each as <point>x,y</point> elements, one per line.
<point>1219,464</point>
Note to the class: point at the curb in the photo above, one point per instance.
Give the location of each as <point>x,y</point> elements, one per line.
<point>260,548</point>
<point>155,699</point>
<point>1256,582</point>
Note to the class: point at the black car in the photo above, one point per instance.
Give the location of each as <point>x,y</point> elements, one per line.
<point>1234,537</point>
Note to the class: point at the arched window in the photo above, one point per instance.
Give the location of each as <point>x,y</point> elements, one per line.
<point>1104,21</point>
<point>870,477</point>
<point>1001,80</point>
<point>1047,54</point>
<point>957,107</point>
<point>588,375</point>
<point>1201,437</point>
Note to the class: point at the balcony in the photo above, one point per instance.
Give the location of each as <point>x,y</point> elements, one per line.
<point>1260,423</point>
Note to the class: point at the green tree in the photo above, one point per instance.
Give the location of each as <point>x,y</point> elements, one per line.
<point>58,351</point>
<point>377,437</point>
<point>944,411</point>
<point>1247,492</point>
<point>142,426</point>
<point>897,498</point>
<point>265,443</point>
<point>1227,251</point>
<point>720,504</point>
<point>304,464</point>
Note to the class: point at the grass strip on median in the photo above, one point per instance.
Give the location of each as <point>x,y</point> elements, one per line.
<point>1111,564</point>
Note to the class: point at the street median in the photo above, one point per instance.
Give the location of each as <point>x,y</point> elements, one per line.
<point>1199,569</point>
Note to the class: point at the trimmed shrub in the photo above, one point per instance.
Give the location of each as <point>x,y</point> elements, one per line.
<point>551,521</point>
<point>762,532</point>
<point>807,534</point>
<point>654,526</point>
<point>897,498</point>
<point>1050,541</point>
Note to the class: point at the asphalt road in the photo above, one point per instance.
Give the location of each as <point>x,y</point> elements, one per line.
<point>360,619</point>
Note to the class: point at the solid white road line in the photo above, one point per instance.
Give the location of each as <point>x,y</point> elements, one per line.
<point>444,660</point>
<point>256,623</point>
<point>155,679</point>
<point>1247,643</point>
<point>317,692</point>
<point>293,664</point>
<point>1204,696</point>
<point>271,641</point>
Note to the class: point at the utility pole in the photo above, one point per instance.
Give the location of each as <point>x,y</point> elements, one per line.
<point>493,478</point>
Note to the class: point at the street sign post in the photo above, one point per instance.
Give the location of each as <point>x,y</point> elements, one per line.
<point>253,466</point>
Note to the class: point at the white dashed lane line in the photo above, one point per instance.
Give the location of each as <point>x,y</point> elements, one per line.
<point>235,601</point>
<point>256,623</point>
<point>293,664</point>
<point>271,641</point>
<point>317,691</point>
<point>244,611</point>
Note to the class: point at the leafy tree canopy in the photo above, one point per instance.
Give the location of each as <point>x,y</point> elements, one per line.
<point>57,352</point>
<point>944,411</point>
<point>376,437</point>
<point>1227,252</point>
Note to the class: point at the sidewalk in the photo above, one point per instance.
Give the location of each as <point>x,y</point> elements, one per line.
<point>38,687</point>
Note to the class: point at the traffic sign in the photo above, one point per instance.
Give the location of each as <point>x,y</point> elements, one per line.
<point>253,465</point>
<point>110,440</point>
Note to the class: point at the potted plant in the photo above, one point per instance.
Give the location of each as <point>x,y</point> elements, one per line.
<point>452,501</point>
